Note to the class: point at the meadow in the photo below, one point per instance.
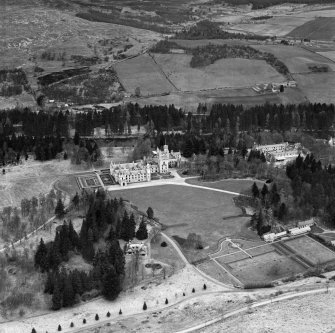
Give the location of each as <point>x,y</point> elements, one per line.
<point>142,72</point>
<point>184,210</point>
<point>321,28</point>
<point>297,59</point>
<point>223,73</point>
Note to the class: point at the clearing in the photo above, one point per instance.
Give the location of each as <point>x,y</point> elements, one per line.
<point>184,210</point>
<point>234,185</point>
<point>317,86</point>
<point>297,59</point>
<point>321,28</point>
<point>142,72</point>
<point>223,73</point>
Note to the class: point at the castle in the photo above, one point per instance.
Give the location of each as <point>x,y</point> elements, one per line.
<point>140,171</point>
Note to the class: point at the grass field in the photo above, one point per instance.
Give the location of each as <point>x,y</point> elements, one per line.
<point>142,72</point>
<point>321,28</point>
<point>328,54</point>
<point>234,185</point>
<point>263,268</point>
<point>317,86</point>
<point>224,73</point>
<point>311,250</point>
<point>189,210</point>
<point>275,26</point>
<point>297,59</point>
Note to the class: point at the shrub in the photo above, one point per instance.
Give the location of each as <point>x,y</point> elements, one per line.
<point>193,290</point>
<point>96,317</point>
<point>163,244</point>
<point>59,328</point>
<point>108,314</point>
<point>145,306</point>
<point>120,312</point>
<point>72,324</point>
<point>166,301</point>
<point>258,285</point>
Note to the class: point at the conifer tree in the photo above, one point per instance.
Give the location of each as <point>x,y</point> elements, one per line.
<point>255,190</point>
<point>56,297</point>
<point>150,213</point>
<point>59,210</point>
<point>111,286</point>
<point>142,232</point>
<point>145,306</point>
<point>68,293</point>
<point>41,256</point>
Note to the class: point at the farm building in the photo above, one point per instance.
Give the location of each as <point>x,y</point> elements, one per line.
<point>309,223</point>
<point>270,237</point>
<point>299,231</point>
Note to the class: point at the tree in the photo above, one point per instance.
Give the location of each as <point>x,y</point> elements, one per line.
<point>57,296</point>
<point>75,200</point>
<point>59,210</point>
<point>145,306</point>
<point>166,301</point>
<point>108,314</point>
<point>41,256</point>
<point>142,232</point>
<point>33,330</point>
<point>68,293</point>
<point>137,92</point>
<point>120,312</point>
<point>111,286</point>
<point>96,317</point>
<point>59,328</point>
<point>255,190</point>
<point>76,138</point>
<point>150,213</point>
<point>205,287</point>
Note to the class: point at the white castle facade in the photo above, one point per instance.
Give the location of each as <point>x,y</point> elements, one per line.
<point>140,171</point>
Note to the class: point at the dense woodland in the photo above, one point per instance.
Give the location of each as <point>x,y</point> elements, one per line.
<point>206,55</point>
<point>210,128</point>
<point>106,221</point>
<point>212,30</point>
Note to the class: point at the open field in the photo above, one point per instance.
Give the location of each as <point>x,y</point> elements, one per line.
<point>317,86</point>
<point>234,185</point>
<point>328,54</point>
<point>224,73</point>
<point>142,72</point>
<point>189,210</point>
<point>297,59</point>
<point>311,250</point>
<point>308,314</point>
<point>275,26</point>
<point>264,267</point>
<point>246,97</point>
<point>321,28</point>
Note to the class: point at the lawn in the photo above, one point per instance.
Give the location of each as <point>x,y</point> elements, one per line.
<point>321,28</point>
<point>311,250</point>
<point>233,185</point>
<point>187,210</point>
<point>317,86</point>
<point>297,59</point>
<point>223,73</point>
<point>142,72</point>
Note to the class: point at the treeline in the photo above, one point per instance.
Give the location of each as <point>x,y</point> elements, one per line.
<point>212,30</point>
<point>313,188</point>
